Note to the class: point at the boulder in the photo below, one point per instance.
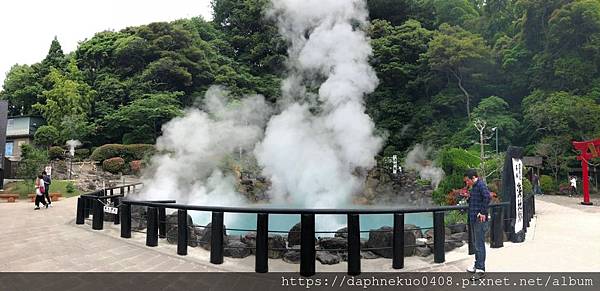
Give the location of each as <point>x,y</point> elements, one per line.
<point>342,232</point>
<point>236,249</point>
<point>205,238</point>
<point>382,238</point>
<point>422,251</point>
<point>139,217</point>
<point>456,228</point>
<point>460,236</point>
<point>327,258</point>
<point>250,240</point>
<point>368,255</point>
<point>332,243</point>
<point>429,233</point>
<point>294,235</point>
<point>276,246</point>
<point>292,257</point>
<point>415,229</point>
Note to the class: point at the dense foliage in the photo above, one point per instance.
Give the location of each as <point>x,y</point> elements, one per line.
<point>529,68</point>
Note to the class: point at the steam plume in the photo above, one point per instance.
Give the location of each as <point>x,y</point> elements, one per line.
<point>417,159</point>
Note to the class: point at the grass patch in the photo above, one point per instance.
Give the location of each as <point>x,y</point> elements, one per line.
<point>23,188</point>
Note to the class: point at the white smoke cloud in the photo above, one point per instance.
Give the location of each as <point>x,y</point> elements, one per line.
<point>72,144</point>
<point>312,149</point>
<point>418,159</point>
<point>193,146</point>
<point>311,158</point>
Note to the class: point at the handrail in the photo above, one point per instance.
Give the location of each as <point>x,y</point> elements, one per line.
<point>269,210</point>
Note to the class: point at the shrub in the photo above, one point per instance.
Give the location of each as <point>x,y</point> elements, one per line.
<point>527,186</point>
<point>70,187</point>
<point>127,152</point>
<point>82,154</point>
<point>113,165</point>
<point>455,217</point>
<point>56,153</point>
<point>548,184</point>
<point>455,162</point>
<point>46,135</point>
<point>135,166</point>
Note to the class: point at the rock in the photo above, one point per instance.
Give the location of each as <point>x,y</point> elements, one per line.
<point>294,235</point>
<point>250,240</point>
<point>421,242</point>
<point>456,228</point>
<point>327,258</point>
<point>417,231</point>
<point>342,232</point>
<point>461,236</point>
<point>422,251</point>
<point>172,230</point>
<point>457,243</point>
<point>276,246</point>
<point>429,233</point>
<point>205,238</point>
<point>292,257</point>
<point>331,243</point>
<point>368,255</point>
<point>139,217</point>
<point>382,238</point>
<point>236,249</point>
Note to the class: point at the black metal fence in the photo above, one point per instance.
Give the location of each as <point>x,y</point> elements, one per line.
<point>156,227</point>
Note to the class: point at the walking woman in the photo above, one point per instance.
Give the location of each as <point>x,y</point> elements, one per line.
<point>39,192</point>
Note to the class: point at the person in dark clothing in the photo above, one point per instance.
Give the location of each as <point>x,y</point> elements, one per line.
<point>479,200</point>
<point>47,182</point>
<point>535,180</point>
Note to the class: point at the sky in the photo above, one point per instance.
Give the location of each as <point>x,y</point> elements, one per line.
<point>28,26</point>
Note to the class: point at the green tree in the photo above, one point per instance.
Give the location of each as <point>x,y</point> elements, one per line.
<point>68,96</point>
<point>141,121</point>
<point>495,111</point>
<point>46,135</point>
<point>457,53</point>
<point>21,89</point>
<point>32,162</point>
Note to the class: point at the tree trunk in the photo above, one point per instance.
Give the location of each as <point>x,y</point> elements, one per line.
<point>467,96</point>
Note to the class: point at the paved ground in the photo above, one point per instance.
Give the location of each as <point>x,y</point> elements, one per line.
<point>562,238</point>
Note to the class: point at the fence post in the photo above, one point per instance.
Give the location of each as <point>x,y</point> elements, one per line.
<point>162,222</point>
<point>117,204</point>
<point>438,237</point>
<point>86,207</point>
<point>353,244</point>
<point>398,242</point>
<point>261,264</point>
<point>182,232</point>
<point>216,238</point>
<point>98,215</point>
<point>125,213</point>
<point>80,205</point>
<point>122,190</point>
<point>307,245</point>
<point>111,192</point>
<point>470,234</point>
<point>497,232</point>
<point>152,228</point>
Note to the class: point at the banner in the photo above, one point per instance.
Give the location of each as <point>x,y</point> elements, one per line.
<point>518,175</point>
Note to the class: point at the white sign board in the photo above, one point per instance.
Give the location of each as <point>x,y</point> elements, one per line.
<point>395,164</point>
<point>518,175</point>
<point>110,209</point>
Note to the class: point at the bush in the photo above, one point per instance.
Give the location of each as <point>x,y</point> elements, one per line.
<point>135,166</point>
<point>70,187</point>
<point>82,154</point>
<point>113,165</point>
<point>527,186</point>
<point>548,184</point>
<point>455,162</point>
<point>46,135</point>
<point>56,153</point>
<point>129,153</point>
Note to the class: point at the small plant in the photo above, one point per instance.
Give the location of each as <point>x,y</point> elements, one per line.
<point>70,187</point>
<point>113,165</point>
<point>455,217</point>
<point>56,153</point>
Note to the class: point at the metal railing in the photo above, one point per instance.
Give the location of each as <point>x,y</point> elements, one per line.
<point>156,228</point>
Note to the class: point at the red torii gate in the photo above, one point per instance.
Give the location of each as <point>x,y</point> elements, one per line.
<point>588,150</point>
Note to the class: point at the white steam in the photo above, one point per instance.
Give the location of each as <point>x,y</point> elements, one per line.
<point>314,150</point>
<point>72,144</point>
<point>192,148</point>
<point>417,159</point>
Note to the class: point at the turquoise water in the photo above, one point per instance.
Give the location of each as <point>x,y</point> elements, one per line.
<point>283,222</point>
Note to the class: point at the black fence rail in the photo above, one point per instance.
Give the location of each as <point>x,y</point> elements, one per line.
<point>157,225</point>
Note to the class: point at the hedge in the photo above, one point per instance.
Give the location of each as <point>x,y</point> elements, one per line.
<point>56,153</point>
<point>129,152</point>
<point>82,154</point>
<point>113,165</point>
<point>548,184</point>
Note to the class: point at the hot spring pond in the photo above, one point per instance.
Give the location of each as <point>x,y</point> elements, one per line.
<point>240,223</point>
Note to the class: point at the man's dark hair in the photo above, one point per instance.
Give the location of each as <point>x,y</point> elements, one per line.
<point>471,173</point>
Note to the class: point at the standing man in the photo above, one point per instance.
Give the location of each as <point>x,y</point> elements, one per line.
<point>479,200</point>
<point>573,186</point>
<point>535,180</point>
<point>47,182</point>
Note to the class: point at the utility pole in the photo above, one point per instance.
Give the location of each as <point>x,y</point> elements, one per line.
<point>480,126</point>
<point>495,129</point>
